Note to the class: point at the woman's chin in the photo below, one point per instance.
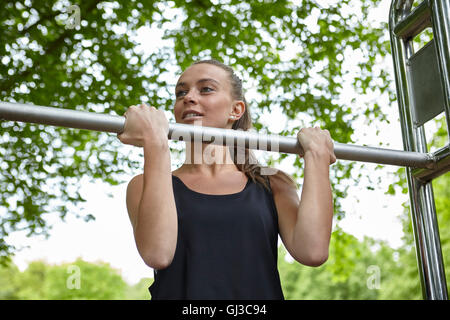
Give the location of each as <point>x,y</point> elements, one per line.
<point>198,121</point>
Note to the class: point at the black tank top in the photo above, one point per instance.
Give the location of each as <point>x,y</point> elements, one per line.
<point>226,247</point>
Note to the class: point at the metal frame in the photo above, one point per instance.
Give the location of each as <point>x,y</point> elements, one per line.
<point>404,25</point>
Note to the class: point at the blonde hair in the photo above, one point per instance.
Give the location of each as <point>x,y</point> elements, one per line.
<point>250,167</point>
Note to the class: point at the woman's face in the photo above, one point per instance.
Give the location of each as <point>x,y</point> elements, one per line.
<point>205,89</point>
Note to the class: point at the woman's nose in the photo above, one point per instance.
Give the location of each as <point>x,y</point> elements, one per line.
<point>190,97</point>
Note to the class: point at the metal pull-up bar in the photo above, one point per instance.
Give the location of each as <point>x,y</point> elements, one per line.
<point>184,132</point>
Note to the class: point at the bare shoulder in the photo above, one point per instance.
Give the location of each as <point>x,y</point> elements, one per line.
<point>135,183</point>
<point>281,182</point>
<point>134,193</point>
<point>287,201</point>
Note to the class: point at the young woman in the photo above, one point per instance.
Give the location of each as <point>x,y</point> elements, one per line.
<point>210,229</point>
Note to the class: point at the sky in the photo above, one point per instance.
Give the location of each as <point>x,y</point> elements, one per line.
<point>110,237</point>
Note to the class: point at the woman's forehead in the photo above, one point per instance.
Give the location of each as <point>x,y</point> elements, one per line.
<point>203,71</point>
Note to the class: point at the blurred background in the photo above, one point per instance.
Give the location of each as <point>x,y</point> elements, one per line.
<point>64,228</point>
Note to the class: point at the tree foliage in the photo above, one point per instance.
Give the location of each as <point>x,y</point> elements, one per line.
<point>290,55</point>
<point>355,270</point>
<point>79,280</point>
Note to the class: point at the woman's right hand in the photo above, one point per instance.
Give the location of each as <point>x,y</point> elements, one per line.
<point>144,126</point>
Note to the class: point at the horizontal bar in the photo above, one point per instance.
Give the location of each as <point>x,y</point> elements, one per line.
<point>183,132</point>
<point>61,117</point>
<point>442,158</point>
<point>415,22</point>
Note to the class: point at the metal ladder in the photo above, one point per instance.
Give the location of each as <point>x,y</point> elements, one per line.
<point>423,91</point>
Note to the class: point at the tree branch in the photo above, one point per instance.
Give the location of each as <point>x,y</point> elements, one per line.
<point>8,84</point>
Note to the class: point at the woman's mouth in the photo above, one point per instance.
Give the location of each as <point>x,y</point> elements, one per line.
<point>192,116</point>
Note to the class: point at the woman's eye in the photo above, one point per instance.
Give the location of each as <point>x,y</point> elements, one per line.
<point>180,93</point>
<point>207,89</point>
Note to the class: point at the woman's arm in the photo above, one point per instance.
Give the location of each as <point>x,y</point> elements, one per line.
<point>312,232</point>
<point>152,210</point>
<point>150,200</point>
<point>305,225</point>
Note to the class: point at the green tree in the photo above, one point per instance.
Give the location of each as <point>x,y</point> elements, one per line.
<point>97,66</point>
<point>404,283</point>
<point>96,281</point>
<point>8,284</point>
<point>354,270</point>
<point>67,281</point>
<point>31,282</point>
<point>139,291</point>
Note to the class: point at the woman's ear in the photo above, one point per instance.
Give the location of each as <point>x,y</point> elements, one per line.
<point>238,109</point>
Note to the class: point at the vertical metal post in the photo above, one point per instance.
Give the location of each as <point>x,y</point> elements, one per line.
<point>423,211</point>
<point>441,25</point>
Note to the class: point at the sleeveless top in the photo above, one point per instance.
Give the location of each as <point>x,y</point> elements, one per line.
<point>227,247</point>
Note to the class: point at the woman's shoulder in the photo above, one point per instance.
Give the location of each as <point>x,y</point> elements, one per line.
<point>281,182</point>
<point>136,179</point>
<point>135,183</point>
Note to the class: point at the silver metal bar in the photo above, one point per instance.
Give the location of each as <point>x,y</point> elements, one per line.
<point>427,220</point>
<point>414,23</point>
<point>442,157</point>
<point>184,132</point>
<point>61,117</point>
<point>423,211</point>
<point>441,31</point>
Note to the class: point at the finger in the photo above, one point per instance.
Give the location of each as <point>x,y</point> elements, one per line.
<point>128,109</point>
<point>333,159</point>
<point>333,156</point>
<point>331,145</point>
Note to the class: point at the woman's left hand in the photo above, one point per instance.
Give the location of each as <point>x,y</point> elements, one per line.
<point>318,142</point>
